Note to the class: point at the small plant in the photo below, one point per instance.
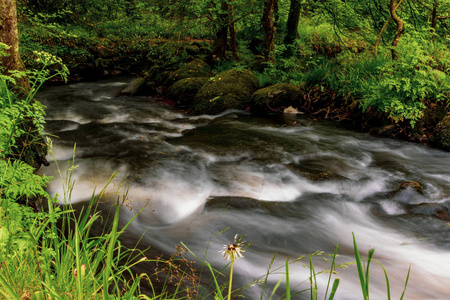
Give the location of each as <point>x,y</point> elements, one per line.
<point>313,280</point>
<point>233,253</point>
<point>363,273</point>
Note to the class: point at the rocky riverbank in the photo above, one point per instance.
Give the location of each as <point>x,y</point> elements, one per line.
<point>183,73</point>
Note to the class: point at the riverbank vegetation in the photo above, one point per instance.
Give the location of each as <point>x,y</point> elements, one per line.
<point>380,66</point>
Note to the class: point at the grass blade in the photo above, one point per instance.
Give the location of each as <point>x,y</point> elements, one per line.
<point>334,288</point>
<point>219,291</point>
<point>288,288</point>
<point>369,259</point>
<point>387,281</point>
<point>276,287</point>
<point>263,289</point>
<point>7,293</point>
<point>109,257</point>
<point>360,269</point>
<point>406,283</point>
<point>333,263</point>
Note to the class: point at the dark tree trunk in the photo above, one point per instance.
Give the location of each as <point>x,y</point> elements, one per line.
<point>434,16</point>
<point>233,42</point>
<point>399,31</point>
<point>220,43</point>
<point>9,35</point>
<point>269,29</point>
<point>292,22</point>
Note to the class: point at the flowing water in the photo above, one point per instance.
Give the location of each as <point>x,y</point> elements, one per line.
<point>288,184</point>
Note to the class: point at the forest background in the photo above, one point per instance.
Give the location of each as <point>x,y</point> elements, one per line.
<point>385,57</point>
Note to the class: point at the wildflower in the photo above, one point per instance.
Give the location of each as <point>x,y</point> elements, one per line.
<point>233,251</point>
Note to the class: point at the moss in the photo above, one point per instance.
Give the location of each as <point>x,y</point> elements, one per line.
<point>184,90</point>
<point>196,68</point>
<point>411,184</point>
<point>443,134</point>
<point>275,98</point>
<point>231,89</point>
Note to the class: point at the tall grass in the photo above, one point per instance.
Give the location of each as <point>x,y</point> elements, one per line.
<point>65,262</point>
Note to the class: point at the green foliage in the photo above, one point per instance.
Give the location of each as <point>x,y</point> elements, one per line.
<point>400,87</point>
<point>363,272</point>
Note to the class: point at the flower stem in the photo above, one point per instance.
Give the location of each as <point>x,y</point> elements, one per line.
<point>231,279</point>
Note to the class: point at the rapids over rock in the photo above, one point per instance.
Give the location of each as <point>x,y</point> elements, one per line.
<point>289,184</point>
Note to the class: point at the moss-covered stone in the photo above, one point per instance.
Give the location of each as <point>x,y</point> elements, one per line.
<point>443,134</point>
<point>275,98</point>
<point>231,89</point>
<point>184,90</point>
<point>410,184</point>
<point>196,68</point>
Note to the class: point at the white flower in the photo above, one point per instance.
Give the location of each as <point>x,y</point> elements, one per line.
<point>233,251</point>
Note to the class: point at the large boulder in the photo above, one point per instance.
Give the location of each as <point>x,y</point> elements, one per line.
<point>275,98</point>
<point>196,68</point>
<point>231,89</point>
<point>443,134</point>
<point>184,90</point>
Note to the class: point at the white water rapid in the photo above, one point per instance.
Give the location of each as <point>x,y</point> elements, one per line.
<point>290,185</point>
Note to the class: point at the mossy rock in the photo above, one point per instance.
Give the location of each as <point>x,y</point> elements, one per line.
<point>192,49</point>
<point>184,90</point>
<point>412,185</point>
<point>443,134</point>
<point>231,89</point>
<point>275,98</point>
<point>196,68</point>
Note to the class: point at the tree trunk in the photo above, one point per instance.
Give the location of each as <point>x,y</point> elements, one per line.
<point>220,43</point>
<point>292,22</point>
<point>434,16</point>
<point>9,35</point>
<point>269,29</point>
<point>399,31</point>
<point>233,42</point>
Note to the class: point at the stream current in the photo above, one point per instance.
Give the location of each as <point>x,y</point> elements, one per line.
<point>289,184</point>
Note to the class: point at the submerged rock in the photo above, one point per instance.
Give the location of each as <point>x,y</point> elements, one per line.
<point>324,176</point>
<point>184,90</point>
<point>196,68</point>
<point>287,209</point>
<point>275,98</point>
<point>438,210</point>
<point>231,89</point>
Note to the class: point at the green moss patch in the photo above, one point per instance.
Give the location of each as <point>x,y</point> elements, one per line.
<point>227,90</point>
<point>184,90</point>
<point>275,98</point>
<point>196,68</point>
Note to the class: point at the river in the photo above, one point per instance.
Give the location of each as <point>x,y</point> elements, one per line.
<point>288,184</point>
